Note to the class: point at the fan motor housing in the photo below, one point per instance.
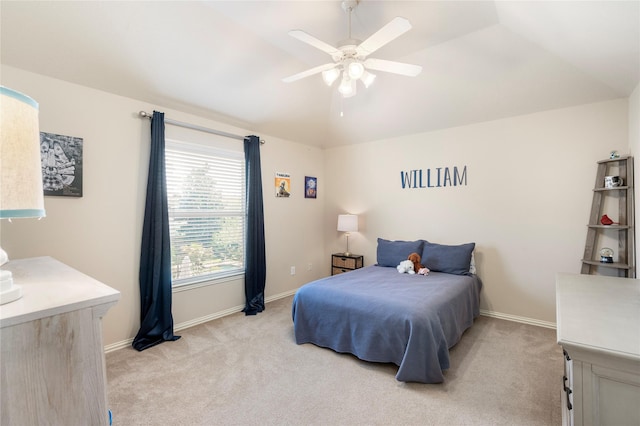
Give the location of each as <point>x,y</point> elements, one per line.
<point>347,49</point>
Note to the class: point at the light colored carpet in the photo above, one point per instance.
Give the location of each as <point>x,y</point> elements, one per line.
<point>240,370</point>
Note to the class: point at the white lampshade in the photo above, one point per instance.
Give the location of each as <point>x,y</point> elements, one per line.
<point>21,194</point>
<point>347,222</point>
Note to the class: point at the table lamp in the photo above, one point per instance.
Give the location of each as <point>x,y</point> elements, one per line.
<point>347,223</point>
<point>21,194</point>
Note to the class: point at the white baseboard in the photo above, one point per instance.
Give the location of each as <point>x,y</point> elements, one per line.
<point>197,321</point>
<point>281,295</point>
<point>117,345</point>
<point>523,320</point>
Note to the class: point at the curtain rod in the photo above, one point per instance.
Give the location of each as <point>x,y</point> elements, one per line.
<point>144,114</point>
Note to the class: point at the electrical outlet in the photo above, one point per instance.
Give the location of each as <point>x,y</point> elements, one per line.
<point>309,266</point>
<point>293,270</point>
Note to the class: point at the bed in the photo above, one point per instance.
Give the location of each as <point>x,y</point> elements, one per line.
<point>380,315</point>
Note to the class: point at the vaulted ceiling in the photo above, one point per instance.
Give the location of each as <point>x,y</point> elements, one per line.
<point>225,60</point>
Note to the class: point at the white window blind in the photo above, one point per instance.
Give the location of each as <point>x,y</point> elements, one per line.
<point>205,188</point>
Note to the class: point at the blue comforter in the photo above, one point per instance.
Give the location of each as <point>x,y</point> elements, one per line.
<point>380,315</point>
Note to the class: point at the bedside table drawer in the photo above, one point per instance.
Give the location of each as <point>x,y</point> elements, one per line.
<point>341,262</point>
<point>344,262</point>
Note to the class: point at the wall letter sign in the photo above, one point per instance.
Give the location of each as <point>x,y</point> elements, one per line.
<point>434,178</point>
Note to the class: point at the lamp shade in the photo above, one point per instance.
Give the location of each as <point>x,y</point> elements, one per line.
<point>21,194</point>
<point>347,222</point>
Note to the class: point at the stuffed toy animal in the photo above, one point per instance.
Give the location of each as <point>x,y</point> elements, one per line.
<point>406,266</point>
<point>415,260</point>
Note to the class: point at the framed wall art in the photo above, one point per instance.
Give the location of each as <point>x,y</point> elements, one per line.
<point>61,158</point>
<point>310,187</point>
<point>283,185</point>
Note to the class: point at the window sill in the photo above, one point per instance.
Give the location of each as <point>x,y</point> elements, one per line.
<point>206,282</point>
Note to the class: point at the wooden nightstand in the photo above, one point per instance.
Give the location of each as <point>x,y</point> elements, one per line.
<point>341,262</point>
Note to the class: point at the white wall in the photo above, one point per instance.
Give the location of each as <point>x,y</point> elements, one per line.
<point>99,234</point>
<point>526,203</point>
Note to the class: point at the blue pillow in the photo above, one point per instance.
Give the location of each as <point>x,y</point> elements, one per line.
<point>449,259</point>
<point>391,253</point>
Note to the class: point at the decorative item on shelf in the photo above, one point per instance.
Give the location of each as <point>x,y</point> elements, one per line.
<point>606,220</point>
<point>21,193</point>
<point>614,155</point>
<point>612,181</point>
<point>347,223</point>
<point>606,255</point>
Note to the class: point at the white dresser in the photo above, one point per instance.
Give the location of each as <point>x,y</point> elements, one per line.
<point>598,326</point>
<point>52,357</point>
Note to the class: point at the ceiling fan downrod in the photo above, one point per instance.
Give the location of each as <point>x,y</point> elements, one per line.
<point>348,6</point>
<point>351,67</point>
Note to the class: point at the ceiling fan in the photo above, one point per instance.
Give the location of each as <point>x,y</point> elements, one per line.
<point>350,57</point>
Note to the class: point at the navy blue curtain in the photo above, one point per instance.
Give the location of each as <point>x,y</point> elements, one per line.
<point>156,321</point>
<point>255,261</point>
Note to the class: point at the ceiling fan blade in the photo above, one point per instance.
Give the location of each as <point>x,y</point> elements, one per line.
<point>384,35</point>
<point>318,44</point>
<point>393,67</point>
<point>307,73</point>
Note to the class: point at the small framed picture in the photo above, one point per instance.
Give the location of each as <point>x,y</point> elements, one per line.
<point>283,185</point>
<point>61,158</point>
<point>310,187</point>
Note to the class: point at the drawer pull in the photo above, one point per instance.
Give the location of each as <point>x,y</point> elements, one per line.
<point>566,355</point>
<point>568,391</point>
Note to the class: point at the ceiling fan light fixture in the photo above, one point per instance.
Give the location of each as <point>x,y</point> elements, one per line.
<point>347,86</point>
<point>356,69</point>
<point>329,76</point>
<point>367,78</point>
<point>350,57</point>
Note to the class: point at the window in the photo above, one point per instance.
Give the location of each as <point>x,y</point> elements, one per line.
<point>205,189</point>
